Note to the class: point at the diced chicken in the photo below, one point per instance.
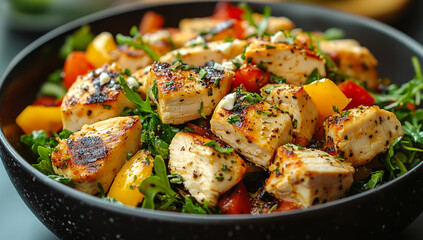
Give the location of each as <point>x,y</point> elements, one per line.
<point>95,154</point>
<point>359,134</point>
<point>94,97</point>
<point>354,60</point>
<point>292,62</point>
<point>308,176</point>
<point>197,25</point>
<point>297,103</point>
<point>205,172</point>
<point>274,24</point>
<point>141,77</point>
<point>136,59</point>
<point>187,92</point>
<point>197,52</point>
<point>255,129</point>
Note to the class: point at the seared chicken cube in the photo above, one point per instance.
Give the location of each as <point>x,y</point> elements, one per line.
<point>297,103</point>
<point>142,84</point>
<point>292,62</point>
<point>353,60</point>
<point>359,134</point>
<point>205,172</point>
<point>274,24</point>
<point>94,97</point>
<point>186,92</point>
<point>198,51</point>
<point>254,128</point>
<point>95,154</point>
<point>135,59</point>
<point>308,176</point>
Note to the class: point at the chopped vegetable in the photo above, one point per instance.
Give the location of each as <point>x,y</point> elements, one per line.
<point>326,95</point>
<point>359,95</point>
<point>98,52</point>
<point>236,200</point>
<point>251,77</point>
<point>76,64</point>
<point>40,118</point>
<point>151,22</point>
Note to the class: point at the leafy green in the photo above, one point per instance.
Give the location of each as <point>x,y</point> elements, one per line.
<point>135,40</point>
<point>333,34</point>
<point>44,161</point>
<point>248,16</point>
<point>61,179</point>
<point>233,119</point>
<point>218,148</point>
<point>78,41</point>
<point>158,183</point>
<point>314,76</point>
<point>38,138</point>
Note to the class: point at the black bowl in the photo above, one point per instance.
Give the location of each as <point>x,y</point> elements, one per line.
<point>69,213</point>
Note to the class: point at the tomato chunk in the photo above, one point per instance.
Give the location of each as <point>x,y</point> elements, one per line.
<point>226,10</point>
<point>252,77</point>
<point>236,200</point>
<point>358,94</point>
<point>151,22</point>
<point>76,64</point>
<point>47,101</point>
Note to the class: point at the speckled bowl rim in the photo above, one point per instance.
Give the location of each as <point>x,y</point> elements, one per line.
<point>185,217</point>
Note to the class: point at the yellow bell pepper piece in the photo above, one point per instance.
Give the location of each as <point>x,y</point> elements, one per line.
<point>129,178</point>
<point>327,96</point>
<point>98,51</point>
<point>40,118</point>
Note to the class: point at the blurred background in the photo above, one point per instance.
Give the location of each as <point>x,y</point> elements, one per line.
<point>22,21</point>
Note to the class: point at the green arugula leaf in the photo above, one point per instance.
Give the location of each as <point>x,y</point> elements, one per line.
<point>158,183</point>
<point>137,42</point>
<point>333,34</point>
<point>78,41</point>
<point>314,76</point>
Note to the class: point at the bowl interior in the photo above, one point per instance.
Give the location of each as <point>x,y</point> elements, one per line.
<point>31,67</point>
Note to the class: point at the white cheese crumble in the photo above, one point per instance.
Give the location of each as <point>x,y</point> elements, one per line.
<point>238,60</point>
<point>132,82</point>
<point>196,41</point>
<point>218,67</point>
<point>104,78</point>
<point>228,101</point>
<point>278,37</point>
<point>229,66</point>
<point>224,47</point>
<point>156,37</point>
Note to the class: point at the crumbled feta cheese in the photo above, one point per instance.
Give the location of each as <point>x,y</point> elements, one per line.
<point>104,78</point>
<point>278,37</point>
<point>157,36</point>
<point>132,82</point>
<point>238,60</point>
<point>98,71</point>
<point>218,67</point>
<point>224,47</point>
<point>196,41</point>
<point>228,66</point>
<point>228,101</point>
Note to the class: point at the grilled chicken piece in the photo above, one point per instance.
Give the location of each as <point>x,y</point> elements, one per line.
<point>274,24</point>
<point>95,154</point>
<point>359,134</point>
<point>255,129</point>
<point>136,59</point>
<point>94,97</point>
<point>197,25</point>
<point>205,172</point>
<point>141,77</point>
<point>354,60</point>
<point>185,95</point>
<point>308,176</point>
<point>297,103</point>
<point>292,62</point>
<point>195,53</point>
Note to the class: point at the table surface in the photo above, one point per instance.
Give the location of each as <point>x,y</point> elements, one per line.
<point>18,222</point>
